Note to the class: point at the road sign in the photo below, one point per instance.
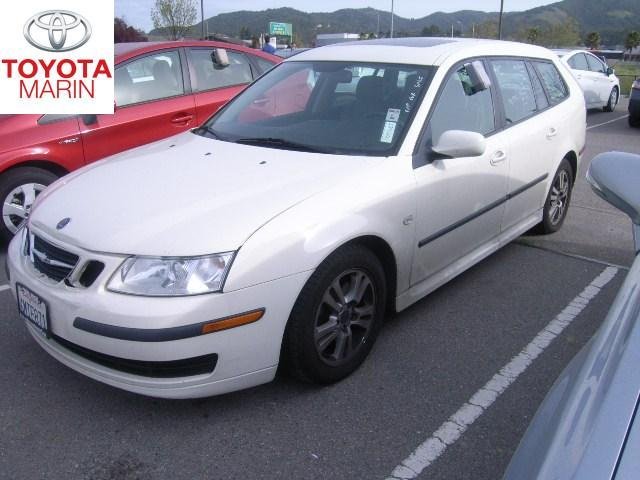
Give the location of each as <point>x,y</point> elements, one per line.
<point>279,28</point>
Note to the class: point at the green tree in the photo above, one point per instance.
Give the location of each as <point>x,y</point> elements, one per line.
<point>245,33</point>
<point>593,40</point>
<point>561,35</point>
<point>487,29</point>
<point>431,31</point>
<point>632,41</point>
<point>532,35</point>
<point>174,17</point>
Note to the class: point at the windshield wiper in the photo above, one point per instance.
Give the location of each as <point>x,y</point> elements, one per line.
<point>271,142</point>
<point>205,130</point>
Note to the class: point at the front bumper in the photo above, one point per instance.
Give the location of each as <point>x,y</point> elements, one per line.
<point>246,356</point>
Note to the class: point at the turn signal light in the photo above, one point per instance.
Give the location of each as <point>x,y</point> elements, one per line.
<point>232,322</point>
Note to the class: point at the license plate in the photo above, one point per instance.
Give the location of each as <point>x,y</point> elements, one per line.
<point>33,309</point>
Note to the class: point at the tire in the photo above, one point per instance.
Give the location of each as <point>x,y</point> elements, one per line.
<point>325,316</point>
<point>18,186</point>
<point>614,96</point>
<point>634,121</point>
<point>557,203</point>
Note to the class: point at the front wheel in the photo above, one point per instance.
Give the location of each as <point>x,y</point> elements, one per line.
<point>634,121</point>
<point>557,202</point>
<point>18,190</point>
<point>337,317</point>
<point>613,100</point>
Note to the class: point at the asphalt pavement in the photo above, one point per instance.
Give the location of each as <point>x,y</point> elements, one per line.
<point>429,361</point>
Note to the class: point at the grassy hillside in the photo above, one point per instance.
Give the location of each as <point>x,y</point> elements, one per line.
<point>612,18</point>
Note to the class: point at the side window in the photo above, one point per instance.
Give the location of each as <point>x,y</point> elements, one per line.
<point>459,108</point>
<point>151,77</point>
<point>515,86</point>
<point>579,62</point>
<point>541,97</point>
<point>263,65</point>
<point>595,65</point>
<point>208,75</point>
<point>552,81</point>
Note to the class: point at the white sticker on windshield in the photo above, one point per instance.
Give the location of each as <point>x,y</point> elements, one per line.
<point>393,115</point>
<point>387,132</point>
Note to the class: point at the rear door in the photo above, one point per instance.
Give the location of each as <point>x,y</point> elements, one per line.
<point>532,138</point>
<point>585,77</point>
<point>215,85</point>
<point>153,101</point>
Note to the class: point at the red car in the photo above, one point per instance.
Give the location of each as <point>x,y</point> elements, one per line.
<point>161,88</point>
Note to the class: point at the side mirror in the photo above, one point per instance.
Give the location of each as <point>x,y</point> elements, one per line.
<point>478,78</point>
<point>610,71</point>
<point>615,177</point>
<point>460,143</point>
<point>220,57</point>
<point>89,119</point>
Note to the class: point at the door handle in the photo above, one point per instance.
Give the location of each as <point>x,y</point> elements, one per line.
<point>552,133</point>
<point>498,157</point>
<point>182,119</point>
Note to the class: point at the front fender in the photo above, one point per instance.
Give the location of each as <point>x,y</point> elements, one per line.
<point>300,238</point>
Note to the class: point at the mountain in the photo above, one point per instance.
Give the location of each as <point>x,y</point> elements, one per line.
<point>611,18</point>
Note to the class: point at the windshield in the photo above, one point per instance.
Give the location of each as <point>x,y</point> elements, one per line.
<point>329,107</point>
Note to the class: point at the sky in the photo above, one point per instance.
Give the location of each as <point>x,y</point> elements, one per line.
<point>136,12</point>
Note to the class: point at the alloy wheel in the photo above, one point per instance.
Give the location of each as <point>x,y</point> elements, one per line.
<point>559,197</point>
<point>344,317</point>
<point>18,203</point>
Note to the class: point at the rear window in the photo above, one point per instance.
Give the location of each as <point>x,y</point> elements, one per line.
<point>516,89</point>
<point>552,80</point>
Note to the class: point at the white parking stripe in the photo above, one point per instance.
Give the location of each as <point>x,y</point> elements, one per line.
<point>451,430</point>
<point>4,287</point>
<point>607,123</point>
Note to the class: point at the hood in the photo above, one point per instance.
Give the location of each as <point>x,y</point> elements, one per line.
<point>186,195</point>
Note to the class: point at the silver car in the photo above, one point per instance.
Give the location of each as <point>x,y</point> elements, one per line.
<point>588,426</point>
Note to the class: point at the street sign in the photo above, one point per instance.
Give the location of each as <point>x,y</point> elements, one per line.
<point>279,28</point>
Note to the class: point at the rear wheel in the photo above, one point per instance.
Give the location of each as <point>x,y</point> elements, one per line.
<point>336,318</point>
<point>614,96</point>
<point>634,121</point>
<point>18,190</point>
<point>557,202</point>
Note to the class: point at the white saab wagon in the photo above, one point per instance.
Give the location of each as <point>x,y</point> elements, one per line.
<point>349,181</point>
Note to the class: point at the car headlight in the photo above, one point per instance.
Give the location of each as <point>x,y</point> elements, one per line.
<point>171,276</point>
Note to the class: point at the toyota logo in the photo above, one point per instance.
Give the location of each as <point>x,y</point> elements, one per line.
<point>57,31</point>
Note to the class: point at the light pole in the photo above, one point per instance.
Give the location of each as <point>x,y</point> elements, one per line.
<point>500,20</point>
<point>391,18</point>
<point>202,17</point>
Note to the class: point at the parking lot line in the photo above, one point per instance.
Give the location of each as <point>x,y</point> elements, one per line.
<point>451,430</point>
<point>4,287</point>
<point>607,123</point>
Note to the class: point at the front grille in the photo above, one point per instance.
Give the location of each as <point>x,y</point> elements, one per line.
<point>50,260</point>
<point>187,367</point>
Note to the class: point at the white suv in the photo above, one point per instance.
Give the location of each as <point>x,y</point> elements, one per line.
<point>349,181</point>
<point>598,81</point>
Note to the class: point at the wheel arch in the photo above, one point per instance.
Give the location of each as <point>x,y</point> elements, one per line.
<point>572,158</point>
<point>383,251</point>
<point>51,167</point>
